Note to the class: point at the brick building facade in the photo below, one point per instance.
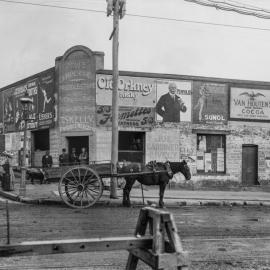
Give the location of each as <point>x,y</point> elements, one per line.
<point>224,133</point>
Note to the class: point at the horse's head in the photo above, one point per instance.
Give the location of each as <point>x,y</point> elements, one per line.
<point>181,167</point>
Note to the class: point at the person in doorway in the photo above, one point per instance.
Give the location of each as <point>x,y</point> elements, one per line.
<point>170,105</point>
<point>47,160</point>
<point>74,159</point>
<point>63,158</point>
<point>83,157</point>
<point>46,163</point>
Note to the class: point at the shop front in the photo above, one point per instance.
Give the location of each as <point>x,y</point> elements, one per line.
<point>221,126</point>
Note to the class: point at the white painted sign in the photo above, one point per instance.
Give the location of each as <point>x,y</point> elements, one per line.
<point>247,103</point>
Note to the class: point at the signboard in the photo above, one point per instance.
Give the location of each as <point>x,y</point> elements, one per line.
<point>1,114</point>
<point>142,117</point>
<point>252,104</point>
<point>183,91</point>
<point>132,91</point>
<point>210,103</point>
<point>42,92</point>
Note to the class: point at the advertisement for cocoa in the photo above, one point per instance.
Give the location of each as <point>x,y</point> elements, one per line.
<point>253,104</point>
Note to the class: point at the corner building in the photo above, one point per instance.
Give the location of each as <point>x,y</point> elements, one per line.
<point>224,133</point>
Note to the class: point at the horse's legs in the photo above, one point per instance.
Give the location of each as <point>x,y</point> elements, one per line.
<point>126,191</point>
<point>162,187</point>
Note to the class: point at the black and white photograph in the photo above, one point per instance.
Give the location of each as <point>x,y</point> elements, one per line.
<point>134,135</point>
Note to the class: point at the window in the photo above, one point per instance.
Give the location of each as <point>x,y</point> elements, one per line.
<point>131,146</point>
<point>210,153</point>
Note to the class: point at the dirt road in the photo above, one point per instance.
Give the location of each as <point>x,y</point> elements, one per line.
<point>216,237</point>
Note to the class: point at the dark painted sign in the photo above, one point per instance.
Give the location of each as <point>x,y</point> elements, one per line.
<point>1,114</point>
<point>142,117</point>
<point>42,113</point>
<point>210,103</point>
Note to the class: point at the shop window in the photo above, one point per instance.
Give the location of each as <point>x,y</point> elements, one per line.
<point>211,153</point>
<point>131,146</point>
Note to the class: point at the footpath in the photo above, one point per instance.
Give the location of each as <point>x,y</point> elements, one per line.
<point>174,197</point>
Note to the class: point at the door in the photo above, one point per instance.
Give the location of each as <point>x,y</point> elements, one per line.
<point>250,165</point>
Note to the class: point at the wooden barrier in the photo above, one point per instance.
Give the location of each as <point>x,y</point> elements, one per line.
<point>161,249</point>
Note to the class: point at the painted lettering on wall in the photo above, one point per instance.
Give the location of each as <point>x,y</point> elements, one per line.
<point>250,104</point>
<point>132,91</point>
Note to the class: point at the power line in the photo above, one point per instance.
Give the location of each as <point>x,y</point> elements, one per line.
<point>232,7</point>
<point>140,16</point>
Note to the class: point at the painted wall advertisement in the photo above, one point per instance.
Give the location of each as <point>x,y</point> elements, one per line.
<point>171,111</point>
<point>1,114</point>
<point>133,91</point>
<point>41,90</point>
<point>246,103</point>
<point>136,94</point>
<point>142,117</point>
<point>210,103</point>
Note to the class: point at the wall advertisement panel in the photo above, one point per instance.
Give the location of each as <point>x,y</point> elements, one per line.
<point>210,103</point>
<point>142,92</point>
<point>42,92</point>
<point>142,117</point>
<point>250,104</point>
<point>183,96</point>
<point>132,91</point>
<point>1,114</point>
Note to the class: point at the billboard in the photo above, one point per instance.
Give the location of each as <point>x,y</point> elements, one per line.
<point>210,103</point>
<point>142,117</point>
<point>165,105</point>
<point>41,90</point>
<point>250,104</point>
<point>132,91</point>
<point>1,114</point>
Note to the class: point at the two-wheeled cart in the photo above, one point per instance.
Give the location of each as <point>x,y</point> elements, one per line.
<point>81,186</point>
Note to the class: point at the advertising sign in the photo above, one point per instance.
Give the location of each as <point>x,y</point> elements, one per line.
<point>183,95</point>
<point>1,114</point>
<point>132,91</point>
<point>142,117</point>
<point>42,93</point>
<point>246,103</point>
<point>210,103</point>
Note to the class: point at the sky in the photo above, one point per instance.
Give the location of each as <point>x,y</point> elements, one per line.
<point>33,36</point>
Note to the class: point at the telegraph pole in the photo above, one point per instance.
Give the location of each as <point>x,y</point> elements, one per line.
<point>118,8</point>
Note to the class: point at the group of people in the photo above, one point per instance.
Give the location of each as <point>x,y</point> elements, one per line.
<point>66,159</point>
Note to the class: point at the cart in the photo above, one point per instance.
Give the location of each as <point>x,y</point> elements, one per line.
<point>81,186</point>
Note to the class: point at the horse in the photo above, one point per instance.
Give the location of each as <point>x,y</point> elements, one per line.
<point>156,173</point>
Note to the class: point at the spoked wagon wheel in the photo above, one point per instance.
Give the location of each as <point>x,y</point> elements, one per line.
<point>80,187</point>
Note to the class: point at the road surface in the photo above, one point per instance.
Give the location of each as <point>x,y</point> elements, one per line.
<point>216,237</point>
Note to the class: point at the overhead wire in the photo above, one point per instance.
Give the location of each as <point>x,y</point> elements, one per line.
<point>229,7</point>
<point>139,15</point>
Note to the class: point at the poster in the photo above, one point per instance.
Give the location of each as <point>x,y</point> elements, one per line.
<point>42,93</point>
<point>253,104</point>
<point>1,114</point>
<point>210,103</point>
<point>200,160</point>
<point>207,162</point>
<point>132,91</point>
<point>173,108</point>
<point>142,117</point>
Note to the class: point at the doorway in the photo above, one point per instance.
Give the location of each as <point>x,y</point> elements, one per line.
<point>250,165</point>
<point>40,144</point>
<point>78,142</point>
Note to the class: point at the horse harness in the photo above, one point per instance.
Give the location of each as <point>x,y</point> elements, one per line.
<point>153,165</point>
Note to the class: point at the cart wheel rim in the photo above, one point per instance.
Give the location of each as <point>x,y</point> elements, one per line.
<point>80,187</point>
